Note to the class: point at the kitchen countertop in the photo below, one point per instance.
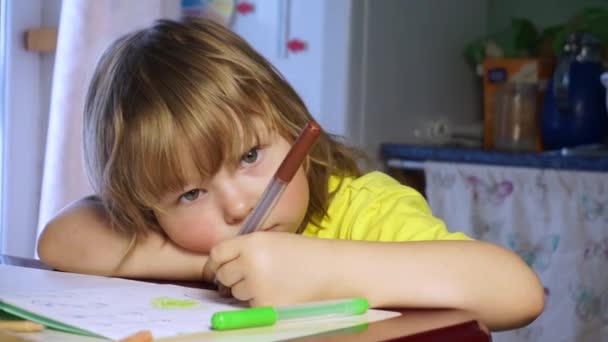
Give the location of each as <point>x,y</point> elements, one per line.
<point>583,159</point>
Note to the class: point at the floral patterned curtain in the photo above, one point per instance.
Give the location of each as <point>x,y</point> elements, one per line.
<point>556,220</point>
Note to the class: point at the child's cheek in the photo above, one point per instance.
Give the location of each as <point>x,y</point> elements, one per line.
<point>197,240</point>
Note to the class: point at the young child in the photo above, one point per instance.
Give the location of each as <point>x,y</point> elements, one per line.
<point>185,124</point>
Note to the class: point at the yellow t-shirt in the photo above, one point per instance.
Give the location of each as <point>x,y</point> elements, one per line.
<point>376,207</point>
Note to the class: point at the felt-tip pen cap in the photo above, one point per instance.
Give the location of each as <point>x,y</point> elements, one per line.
<point>267,315</point>
<point>298,151</point>
<point>244,318</point>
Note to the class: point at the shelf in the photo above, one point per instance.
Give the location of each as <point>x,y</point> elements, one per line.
<point>407,156</point>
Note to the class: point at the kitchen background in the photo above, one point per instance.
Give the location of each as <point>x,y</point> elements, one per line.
<point>402,79</point>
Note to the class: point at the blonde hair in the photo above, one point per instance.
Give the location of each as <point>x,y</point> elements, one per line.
<point>189,88</point>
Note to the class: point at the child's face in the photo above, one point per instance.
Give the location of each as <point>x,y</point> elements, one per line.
<point>213,210</point>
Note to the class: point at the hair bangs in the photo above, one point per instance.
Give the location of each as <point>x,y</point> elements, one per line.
<point>222,133</point>
<point>152,154</point>
<point>178,146</point>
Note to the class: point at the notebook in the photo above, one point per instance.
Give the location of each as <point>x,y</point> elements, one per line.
<point>113,308</point>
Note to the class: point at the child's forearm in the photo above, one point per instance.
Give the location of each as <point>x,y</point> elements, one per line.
<point>80,239</point>
<point>492,283</point>
<point>158,258</point>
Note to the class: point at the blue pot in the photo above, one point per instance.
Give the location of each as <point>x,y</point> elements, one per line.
<point>576,114</point>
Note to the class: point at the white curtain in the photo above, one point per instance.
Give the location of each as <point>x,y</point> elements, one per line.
<point>86,29</point>
<point>557,221</point>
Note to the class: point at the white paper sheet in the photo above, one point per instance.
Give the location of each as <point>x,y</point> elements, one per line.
<point>115,308</point>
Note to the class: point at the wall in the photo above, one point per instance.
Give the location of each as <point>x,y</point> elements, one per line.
<point>542,13</point>
<point>412,68</point>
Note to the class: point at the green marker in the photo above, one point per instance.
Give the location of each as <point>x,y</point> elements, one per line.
<point>268,315</point>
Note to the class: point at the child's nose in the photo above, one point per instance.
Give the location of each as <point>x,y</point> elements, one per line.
<point>236,211</point>
<point>236,204</point>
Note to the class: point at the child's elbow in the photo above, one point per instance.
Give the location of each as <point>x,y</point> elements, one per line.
<point>47,246</point>
<point>535,304</point>
<point>524,296</point>
<point>519,310</point>
<point>528,305</point>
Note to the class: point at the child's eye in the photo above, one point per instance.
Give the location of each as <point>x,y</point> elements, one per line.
<point>251,156</point>
<point>191,195</point>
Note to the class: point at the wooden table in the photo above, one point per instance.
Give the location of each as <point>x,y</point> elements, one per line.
<point>411,326</point>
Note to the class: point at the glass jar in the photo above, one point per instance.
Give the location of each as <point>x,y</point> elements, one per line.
<point>516,123</point>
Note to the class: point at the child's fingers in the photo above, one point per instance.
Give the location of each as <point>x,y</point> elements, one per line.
<point>209,270</point>
<point>224,291</point>
<point>242,291</point>
<point>141,336</point>
<point>219,255</point>
<point>226,251</point>
<point>230,273</point>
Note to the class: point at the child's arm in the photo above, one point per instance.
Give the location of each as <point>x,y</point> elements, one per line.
<point>274,269</point>
<point>491,282</point>
<point>80,239</point>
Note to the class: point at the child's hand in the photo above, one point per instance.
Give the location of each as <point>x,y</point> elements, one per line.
<point>270,268</point>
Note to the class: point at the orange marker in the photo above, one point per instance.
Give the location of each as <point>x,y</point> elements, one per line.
<point>141,336</point>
